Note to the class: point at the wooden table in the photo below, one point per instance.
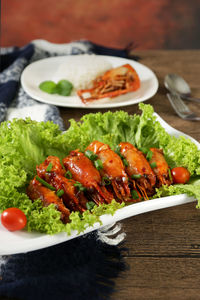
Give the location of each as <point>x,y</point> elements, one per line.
<point>163,246</point>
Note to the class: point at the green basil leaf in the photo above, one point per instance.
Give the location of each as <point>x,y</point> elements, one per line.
<point>64,87</point>
<point>48,87</point>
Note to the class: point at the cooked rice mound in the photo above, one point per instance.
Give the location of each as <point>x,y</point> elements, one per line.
<point>81,70</point>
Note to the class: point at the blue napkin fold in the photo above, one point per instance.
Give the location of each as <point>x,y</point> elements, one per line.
<point>82,268</point>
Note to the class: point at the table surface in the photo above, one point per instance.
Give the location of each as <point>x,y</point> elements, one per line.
<point>163,255</point>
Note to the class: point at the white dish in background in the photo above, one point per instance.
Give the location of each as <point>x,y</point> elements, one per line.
<point>45,69</point>
<point>22,241</point>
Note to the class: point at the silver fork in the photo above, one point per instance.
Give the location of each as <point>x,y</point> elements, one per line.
<point>181,108</point>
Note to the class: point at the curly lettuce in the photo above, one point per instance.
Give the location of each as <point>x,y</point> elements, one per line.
<point>26,143</point>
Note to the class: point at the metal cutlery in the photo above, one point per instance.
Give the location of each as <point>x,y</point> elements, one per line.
<point>181,108</point>
<point>177,85</point>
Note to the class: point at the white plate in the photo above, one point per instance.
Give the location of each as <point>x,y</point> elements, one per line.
<point>21,241</point>
<point>45,69</point>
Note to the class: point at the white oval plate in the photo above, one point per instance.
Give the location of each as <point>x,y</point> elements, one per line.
<point>44,69</point>
<point>22,241</point>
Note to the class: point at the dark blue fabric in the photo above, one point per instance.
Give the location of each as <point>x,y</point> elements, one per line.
<point>9,88</point>
<point>82,268</point>
<point>8,58</point>
<point>8,91</point>
<point>125,53</point>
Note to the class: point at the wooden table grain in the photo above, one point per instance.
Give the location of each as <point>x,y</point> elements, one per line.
<point>163,256</point>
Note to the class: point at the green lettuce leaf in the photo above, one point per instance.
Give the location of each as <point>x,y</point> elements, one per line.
<point>178,151</point>
<point>111,128</point>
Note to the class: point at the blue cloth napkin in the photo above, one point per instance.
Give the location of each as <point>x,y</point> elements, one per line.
<point>82,268</point>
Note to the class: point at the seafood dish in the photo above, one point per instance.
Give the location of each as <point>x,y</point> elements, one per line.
<point>112,83</point>
<point>89,81</point>
<point>98,175</point>
<point>108,162</point>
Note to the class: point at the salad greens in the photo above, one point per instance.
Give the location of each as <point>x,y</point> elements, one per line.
<point>26,143</point>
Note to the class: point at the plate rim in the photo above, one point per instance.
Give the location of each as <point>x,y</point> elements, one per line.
<point>96,106</point>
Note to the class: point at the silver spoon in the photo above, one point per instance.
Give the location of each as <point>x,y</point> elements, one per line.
<point>177,85</point>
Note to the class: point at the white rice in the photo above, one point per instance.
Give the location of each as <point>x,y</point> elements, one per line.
<point>81,70</point>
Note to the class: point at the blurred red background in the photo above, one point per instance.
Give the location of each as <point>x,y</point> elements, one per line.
<point>151,24</point>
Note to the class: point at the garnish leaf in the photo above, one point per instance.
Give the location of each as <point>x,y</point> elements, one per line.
<point>64,87</point>
<point>49,167</point>
<point>90,205</point>
<point>43,182</point>
<point>134,194</point>
<point>79,186</point>
<point>59,193</point>
<point>91,155</point>
<point>98,164</point>
<point>106,181</point>
<point>125,162</point>
<point>68,175</point>
<point>48,87</point>
<point>153,165</point>
<point>149,155</point>
<point>170,174</point>
<point>144,150</point>
<point>136,176</point>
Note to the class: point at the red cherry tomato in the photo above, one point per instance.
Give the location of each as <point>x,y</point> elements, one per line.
<point>180,175</point>
<point>13,219</point>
